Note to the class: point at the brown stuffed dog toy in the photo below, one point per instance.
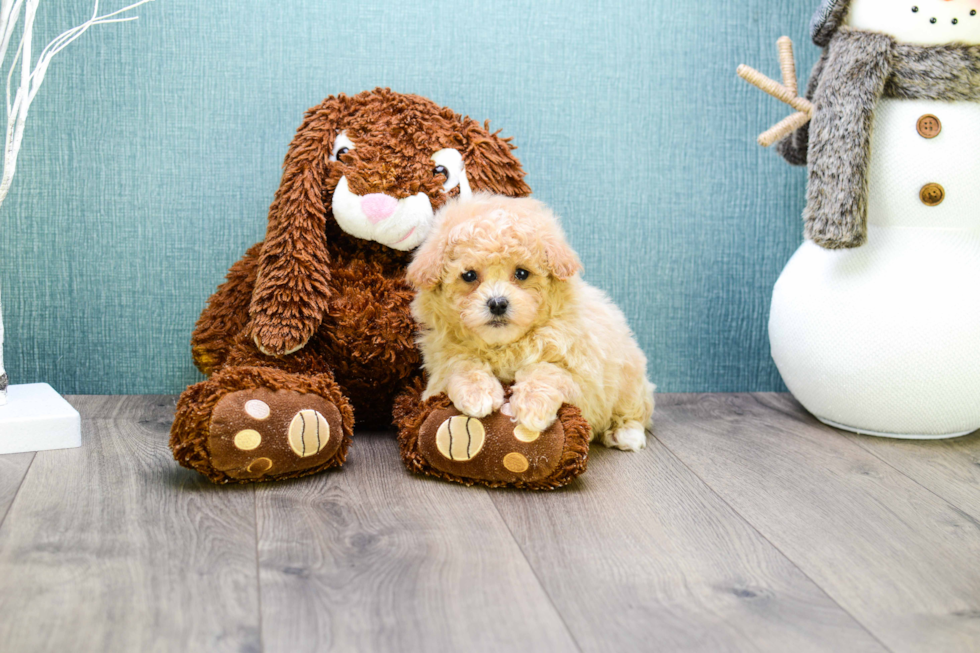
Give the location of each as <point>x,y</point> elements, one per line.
<point>313,324</point>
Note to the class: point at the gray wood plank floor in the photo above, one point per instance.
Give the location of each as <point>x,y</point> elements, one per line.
<point>13,467</point>
<point>746,525</point>
<point>370,558</point>
<point>899,558</point>
<point>111,547</point>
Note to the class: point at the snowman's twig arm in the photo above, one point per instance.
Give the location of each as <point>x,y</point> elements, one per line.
<point>787,92</point>
<point>783,128</point>
<point>787,62</point>
<point>775,89</point>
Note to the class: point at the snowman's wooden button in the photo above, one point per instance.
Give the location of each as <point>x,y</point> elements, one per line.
<point>932,194</point>
<point>929,126</point>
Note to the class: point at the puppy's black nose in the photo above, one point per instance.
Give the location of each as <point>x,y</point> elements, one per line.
<point>497,305</point>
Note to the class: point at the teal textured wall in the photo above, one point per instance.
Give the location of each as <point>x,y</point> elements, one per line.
<point>154,149</point>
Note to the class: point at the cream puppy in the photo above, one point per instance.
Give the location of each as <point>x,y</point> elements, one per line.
<point>500,301</point>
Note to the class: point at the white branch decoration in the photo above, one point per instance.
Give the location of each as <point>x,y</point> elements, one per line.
<point>26,89</point>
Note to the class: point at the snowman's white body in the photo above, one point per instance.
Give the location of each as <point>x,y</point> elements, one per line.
<point>885,338</point>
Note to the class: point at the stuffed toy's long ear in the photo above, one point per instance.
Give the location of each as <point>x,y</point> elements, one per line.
<point>290,296</point>
<point>490,162</point>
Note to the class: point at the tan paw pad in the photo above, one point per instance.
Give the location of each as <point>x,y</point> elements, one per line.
<point>259,466</point>
<point>248,439</point>
<point>516,463</point>
<point>524,434</point>
<point>257,409</point>
<point>460,438</point>
<point>309,433</point>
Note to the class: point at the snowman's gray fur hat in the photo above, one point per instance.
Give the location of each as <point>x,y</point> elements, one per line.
<point>827,20</point>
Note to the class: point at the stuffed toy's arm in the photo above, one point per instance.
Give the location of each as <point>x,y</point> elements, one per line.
<point>290,296</point>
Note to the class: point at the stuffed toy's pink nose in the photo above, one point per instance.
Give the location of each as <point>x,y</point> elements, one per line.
<point>378,207</point>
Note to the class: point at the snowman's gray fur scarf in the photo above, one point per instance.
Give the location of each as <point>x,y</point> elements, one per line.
<point>856,70</point>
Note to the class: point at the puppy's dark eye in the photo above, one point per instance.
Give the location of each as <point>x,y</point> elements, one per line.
<point>341,152</point>
<point>441,170</point>
<point>521,274</point>
<point>469,276</point>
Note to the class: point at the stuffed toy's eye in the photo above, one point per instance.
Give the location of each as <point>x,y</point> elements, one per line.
<point>341,146</point>
<point>449,162</point>
<point>521,274</point>
<point>469,276</point>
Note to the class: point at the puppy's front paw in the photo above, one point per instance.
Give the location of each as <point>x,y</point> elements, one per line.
<point>477,395</point>
<point>534,406</point>
<point>629,437</point>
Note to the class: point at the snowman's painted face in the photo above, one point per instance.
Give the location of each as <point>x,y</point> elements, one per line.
<point>927,22</point>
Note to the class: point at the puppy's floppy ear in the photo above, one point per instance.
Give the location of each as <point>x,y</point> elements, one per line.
<point>428,265</point>
<point>289,300</point>
<point>560,258</point>
<point>490,162</point>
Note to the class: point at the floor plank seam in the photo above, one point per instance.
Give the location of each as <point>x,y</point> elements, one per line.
<point>758,397</point>
<point>945,500</point>
<point>788,559</point>
<point>17,492</point>
<point>534,571</point>
<point>854,440</point>
<point>258,565</point>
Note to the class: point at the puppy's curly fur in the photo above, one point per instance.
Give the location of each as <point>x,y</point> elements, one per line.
<point>500,301</point>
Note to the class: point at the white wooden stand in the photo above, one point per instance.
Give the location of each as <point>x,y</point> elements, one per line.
<point>37,418</point>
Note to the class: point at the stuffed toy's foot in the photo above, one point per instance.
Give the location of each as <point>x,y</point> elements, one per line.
<point>249,424</point>
<point>437,440</point>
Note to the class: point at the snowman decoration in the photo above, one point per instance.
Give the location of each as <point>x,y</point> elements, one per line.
<point>875,321</point>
